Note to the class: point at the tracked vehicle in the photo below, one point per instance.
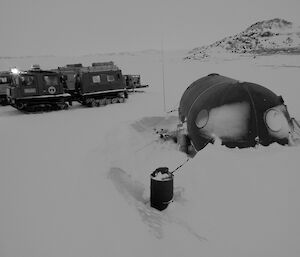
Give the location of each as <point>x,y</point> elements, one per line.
<point>36,90</point>
<point>99,84</point>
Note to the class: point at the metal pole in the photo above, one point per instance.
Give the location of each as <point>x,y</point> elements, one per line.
<point>163,73</point>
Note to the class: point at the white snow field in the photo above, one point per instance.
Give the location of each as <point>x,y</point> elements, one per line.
<point>76,183</point>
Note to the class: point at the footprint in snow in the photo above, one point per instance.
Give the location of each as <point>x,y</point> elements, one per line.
<point>133,192</point>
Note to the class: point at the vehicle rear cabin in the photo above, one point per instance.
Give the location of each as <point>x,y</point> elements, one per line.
<point>133,81</point>
<point>99,84</point>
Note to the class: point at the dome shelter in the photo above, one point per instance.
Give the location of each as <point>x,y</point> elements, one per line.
<point>240,114</point>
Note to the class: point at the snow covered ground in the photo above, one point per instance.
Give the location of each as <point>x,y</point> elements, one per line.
<point>76,182</point>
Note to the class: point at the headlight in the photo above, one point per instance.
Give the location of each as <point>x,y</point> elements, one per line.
<point>15,71</point>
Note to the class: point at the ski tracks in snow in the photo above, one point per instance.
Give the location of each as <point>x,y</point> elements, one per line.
<point>133,192</point>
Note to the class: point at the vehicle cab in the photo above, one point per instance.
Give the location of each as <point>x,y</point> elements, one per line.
<point>36,87</point>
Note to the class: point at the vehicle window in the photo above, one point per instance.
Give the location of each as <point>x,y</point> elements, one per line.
<point>110,78</point>
<point>27,80</point>
<point>51,80</point>
<point>16,80</point>
<point>3,80</point>
<point>64,77</point>
<point>96,79</point>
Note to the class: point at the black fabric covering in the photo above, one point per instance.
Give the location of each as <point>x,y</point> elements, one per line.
<point>214,91</point>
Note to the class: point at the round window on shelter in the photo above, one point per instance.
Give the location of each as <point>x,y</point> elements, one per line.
<point>202,119</point>
<point>274,120</point>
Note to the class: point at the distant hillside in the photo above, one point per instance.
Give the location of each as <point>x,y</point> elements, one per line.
<point>262,38</point>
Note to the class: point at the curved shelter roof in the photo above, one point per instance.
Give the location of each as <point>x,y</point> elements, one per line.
<point>216,106</point>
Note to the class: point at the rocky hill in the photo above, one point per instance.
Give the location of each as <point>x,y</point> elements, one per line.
<point>262,38</point>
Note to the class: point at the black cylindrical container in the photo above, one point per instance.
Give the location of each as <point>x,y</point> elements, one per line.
<point>161,188</point>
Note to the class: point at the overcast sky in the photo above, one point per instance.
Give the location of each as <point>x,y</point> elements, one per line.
<point>76,27</point>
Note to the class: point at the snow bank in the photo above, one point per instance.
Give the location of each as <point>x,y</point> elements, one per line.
<point>246,200</point>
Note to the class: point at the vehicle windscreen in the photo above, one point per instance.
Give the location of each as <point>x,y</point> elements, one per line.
<point>51,80</point>
<point>25,80</point>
